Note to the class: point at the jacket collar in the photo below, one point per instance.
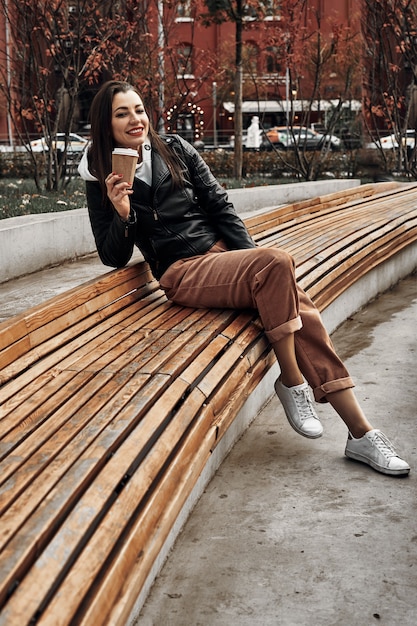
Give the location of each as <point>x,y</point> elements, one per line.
<point>160,169</point>
<point>144,168</point>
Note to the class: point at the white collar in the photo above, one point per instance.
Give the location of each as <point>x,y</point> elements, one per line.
<point>83,170</point>
<point>144,168</point>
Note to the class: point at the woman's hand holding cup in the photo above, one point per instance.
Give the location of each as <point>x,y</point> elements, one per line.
<point>118,192</point>
<point>119,182</point>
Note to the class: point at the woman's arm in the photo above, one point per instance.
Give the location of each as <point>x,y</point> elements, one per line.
<point>114,237</point>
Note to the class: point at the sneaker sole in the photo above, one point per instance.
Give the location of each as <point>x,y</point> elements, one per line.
<point>379,468</point>
<point>301,432</point>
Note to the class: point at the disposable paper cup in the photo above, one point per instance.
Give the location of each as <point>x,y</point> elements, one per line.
<point>124,161</point>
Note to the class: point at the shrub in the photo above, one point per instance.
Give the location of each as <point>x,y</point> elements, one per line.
<point>274,165</point>
<point>374,163</point>
<point>15,165</point>
<point>19,196</point>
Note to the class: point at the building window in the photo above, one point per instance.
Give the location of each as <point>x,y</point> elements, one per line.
<point>273,60</point>
<point>185,61</point>
<point>184,11</point>
<point>272,9</point>
<point>268,9</point>
<point>250,59</point>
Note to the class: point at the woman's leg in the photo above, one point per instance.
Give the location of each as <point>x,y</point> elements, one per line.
<point>348,408</point>
<point>264,279</point>
<point>317,359</point>
<point>286,357</point>
<point>258,278</point>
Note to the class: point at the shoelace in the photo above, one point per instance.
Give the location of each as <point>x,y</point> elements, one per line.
<point>304,404</point>
<point>384,446</point>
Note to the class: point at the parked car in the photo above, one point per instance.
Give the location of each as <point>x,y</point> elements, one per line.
<point>286,138</point>
<point>75,143</point>
<point>390,142</point>
<point>11,149</point>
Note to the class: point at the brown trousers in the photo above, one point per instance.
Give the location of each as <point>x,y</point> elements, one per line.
<point>263,279</point>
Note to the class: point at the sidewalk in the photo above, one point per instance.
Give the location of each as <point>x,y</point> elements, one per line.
<point>292,533</point>
<point>20,294</point>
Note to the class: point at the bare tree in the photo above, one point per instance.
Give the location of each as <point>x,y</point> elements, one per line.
<point>182,85</point>
<point>329,67</point>
<point>223,11</point>
<point>59,50</point>
<point>47,55</point>
<point>390,42</point>
<point>317,64</point>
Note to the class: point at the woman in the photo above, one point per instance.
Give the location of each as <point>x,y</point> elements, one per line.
<point>197,247</point>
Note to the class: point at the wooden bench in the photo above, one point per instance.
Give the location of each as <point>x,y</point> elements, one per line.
<point>113,400</point>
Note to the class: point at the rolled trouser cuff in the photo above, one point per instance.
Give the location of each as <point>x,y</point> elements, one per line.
<point>287,328</point>
<point>321,392</point>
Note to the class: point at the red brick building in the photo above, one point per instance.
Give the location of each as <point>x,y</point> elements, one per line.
<point>277,81</point>
<point>302,61</point>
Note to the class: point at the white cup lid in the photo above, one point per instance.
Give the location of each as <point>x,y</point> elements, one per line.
<point>125,151</point>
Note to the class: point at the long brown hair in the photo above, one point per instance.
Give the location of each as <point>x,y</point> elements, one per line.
<point>99,154</point>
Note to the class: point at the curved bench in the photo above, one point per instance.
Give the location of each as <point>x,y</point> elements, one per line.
<point>114,400</point>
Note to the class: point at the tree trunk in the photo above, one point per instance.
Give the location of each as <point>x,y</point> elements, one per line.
<point>238,158</point>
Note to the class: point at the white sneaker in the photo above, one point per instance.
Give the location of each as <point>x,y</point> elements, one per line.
<point>375,449</point>
<point>299,409</point>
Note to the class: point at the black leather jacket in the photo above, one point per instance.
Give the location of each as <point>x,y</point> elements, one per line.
<point>167,224</point>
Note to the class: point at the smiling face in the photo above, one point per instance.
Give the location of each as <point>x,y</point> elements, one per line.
<point>130,123</point>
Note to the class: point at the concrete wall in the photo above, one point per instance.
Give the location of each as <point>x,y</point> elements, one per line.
<point>253,199</point>
<point>33,242</point>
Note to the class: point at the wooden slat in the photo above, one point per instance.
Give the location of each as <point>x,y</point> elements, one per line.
<point>122,579</point>
<point>42,339</point>
<point>325,297</point>
<point>69,591</point>
<point>140,547</point>
<point>364,238</point>
<point>272,218</point>
<point>40,528</point>
<point>175,345</point>
<point>63,303</point>
<point>40,361</point>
